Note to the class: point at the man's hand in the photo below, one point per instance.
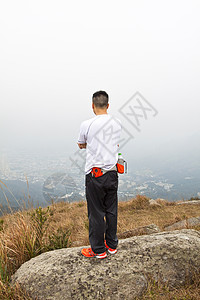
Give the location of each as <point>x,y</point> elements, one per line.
<point>82,146</point>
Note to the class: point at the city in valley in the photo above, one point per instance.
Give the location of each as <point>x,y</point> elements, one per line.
<point>28,179</point>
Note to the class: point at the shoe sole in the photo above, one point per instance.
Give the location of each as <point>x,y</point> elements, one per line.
<point>101,256</point>
<point>112,252</point>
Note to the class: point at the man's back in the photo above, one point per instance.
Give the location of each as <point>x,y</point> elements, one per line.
<point>101,134</point>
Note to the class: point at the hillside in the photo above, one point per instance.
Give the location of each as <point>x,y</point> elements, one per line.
<point>26,234</point>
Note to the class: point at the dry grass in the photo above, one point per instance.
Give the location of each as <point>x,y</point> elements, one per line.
<point>26,234</point>
<point>12,292</point>
<point>166,214</point>
<point>159,291</point>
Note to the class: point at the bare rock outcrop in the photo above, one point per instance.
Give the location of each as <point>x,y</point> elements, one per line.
<point>184,224</point>
<point>157,202</point>
<point>65,274</point>
<point>189,202</point>
<point>148,229</point>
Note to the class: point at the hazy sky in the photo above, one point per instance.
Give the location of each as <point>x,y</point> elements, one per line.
<point>55,54</point>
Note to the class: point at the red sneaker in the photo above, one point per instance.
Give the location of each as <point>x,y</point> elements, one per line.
<point>89,253</point>
<point>110,250</point>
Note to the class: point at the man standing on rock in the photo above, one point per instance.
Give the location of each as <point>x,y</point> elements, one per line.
<point>100,137</point>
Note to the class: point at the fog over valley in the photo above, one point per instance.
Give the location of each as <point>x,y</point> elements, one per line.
<point>55,55</point>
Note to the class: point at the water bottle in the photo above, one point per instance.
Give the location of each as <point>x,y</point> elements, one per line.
<point>121,163</point>
<point>120,158</point>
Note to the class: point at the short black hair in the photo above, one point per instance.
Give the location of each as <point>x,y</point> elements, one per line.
<point>100,99</point>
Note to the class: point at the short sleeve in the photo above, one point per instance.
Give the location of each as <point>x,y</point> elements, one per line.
<point>82,133</point>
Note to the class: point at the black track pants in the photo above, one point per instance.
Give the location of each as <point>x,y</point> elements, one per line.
<point>102,203</point>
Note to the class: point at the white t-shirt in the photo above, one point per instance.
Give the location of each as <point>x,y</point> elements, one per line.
<point>102,134</point>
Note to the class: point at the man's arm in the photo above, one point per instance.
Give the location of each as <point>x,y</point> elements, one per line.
<point>82,136</point>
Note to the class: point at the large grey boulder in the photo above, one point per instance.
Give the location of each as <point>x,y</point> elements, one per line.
<point>195,221</point>
<point>65,274</point>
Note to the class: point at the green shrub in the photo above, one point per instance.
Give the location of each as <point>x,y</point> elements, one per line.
<point>1,224</point>
<point>59,239</point>
<point>41,219</point>
<point>194,198</point>
<point>86,223</point>
<point>3,271</point>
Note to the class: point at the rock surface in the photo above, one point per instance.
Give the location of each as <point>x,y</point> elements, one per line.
<point>157,202</point>
<point>65,274</point>
<point>149,229</point>
<point>184,224</point>
<point>189,202</point>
